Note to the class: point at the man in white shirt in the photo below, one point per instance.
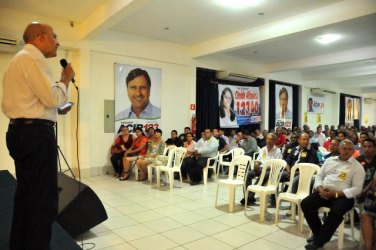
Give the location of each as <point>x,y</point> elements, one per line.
<point>204,149</point>
<point>270,151</point>
<point>320,136</point>
<point>339,181</point>
<point>30,99</point>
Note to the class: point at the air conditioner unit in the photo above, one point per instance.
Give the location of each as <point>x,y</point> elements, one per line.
<point>368,100</point>
<point>225,75</point>
<point>8,44</point>
<point>321,91</point>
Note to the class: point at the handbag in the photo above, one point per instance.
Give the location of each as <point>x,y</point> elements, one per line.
<point>370,202</point>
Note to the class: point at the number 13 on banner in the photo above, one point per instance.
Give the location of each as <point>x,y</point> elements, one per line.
<point>247,107</point>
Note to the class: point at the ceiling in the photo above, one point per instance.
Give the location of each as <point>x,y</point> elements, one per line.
<point>280,36</point>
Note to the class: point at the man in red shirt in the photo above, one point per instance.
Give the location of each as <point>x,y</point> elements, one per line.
<point>332,135</point>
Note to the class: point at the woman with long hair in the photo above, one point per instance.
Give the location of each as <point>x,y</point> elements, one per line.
<point>226,109</point>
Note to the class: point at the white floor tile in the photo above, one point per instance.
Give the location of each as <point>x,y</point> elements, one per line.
<point>235,237</point>
<point>285,239</point>
<point>183,235</point>
<point>145,216</point>
<point>118,222</point>
<point>262,244</point>
<point>155,242</point>
<point>163,225</point>
<point>208,243</point>
<point>103,240</point>
<point>209,227</point>
<point>188,218</point>
<point>134,232</point>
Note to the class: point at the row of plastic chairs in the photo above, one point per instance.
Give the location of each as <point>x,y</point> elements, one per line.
<point>275,168</point>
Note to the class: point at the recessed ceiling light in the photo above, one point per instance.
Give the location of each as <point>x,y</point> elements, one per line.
<point>166,28</point>
<point>239,4</point>
<point>327,38</point>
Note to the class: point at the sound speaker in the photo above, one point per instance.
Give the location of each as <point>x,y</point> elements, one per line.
<point>79,207</point>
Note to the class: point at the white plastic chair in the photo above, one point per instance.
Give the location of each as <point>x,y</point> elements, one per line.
<point>341,227</point>
<point>233,152</point>
<point>211,163</point>
<point>161,158</point>
<point>175,159</point>
<point>243,162</point>
<point>275,166</point>
<point>306,171</point>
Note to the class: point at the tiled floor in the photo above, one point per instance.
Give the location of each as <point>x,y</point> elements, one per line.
<point>146,217</point>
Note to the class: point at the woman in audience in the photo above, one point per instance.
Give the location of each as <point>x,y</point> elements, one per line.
<point>189,144</point>
<point>121,144</point>
<point>155,147</point>
<point>138,148</point>
<point>226,109</point>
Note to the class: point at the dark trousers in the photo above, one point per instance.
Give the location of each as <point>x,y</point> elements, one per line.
<point>322,233</point>
<point>117,163</point>
<point>34,151</point>
<point>195,168</point>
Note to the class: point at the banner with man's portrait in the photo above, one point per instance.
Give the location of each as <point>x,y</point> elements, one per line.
<point>137,97</point>
<point>315,104</point>
<point>349,110</point>
<point>238,105</point>
<point>283,106</point>
<point>356,108</point>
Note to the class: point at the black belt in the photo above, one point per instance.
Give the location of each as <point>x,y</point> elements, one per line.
<point>28,121</point>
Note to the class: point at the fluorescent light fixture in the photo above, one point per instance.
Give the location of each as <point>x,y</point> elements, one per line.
<point>239,4</point>
<point>327,38</point>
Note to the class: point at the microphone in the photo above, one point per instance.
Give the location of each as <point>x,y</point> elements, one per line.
<point>64,64</point>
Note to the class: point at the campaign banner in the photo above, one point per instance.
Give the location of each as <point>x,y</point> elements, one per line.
<point>283,106</point>
<point>315,104</point>
<point>356,108</point>
<point>137,97</point>
<point>349,110</point>
<point>238,105</point>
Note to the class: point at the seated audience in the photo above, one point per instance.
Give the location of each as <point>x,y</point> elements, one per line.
<point>222,145</point>
<point>338,182</point>
<point>150,133</point>
<point>222,134</point>
<point>368,161</point>
<point>233,143</point>
<point>249,144</point>
<point>138,148</point>
<point>369,216</point>
<point>155,147</point>
<point>312,138</point>
<point>270,151</point>
<point>341,135</point>
<point>320,136</point>
<point>189,144</point>
<point>262,142</point>
<point>303,153</point>
<point>332,134</point>
<point>289,147</point>
<point>205,148</point>
<point>121,144</point>
<point>333,149</point>
<point>281,138</point>
<point>174,140</point>
<point>183,136</point>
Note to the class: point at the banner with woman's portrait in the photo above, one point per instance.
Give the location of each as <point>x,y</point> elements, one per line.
<point>315,104</point>
<point>137,97</point>
<point>238,105</point>
<point>283,106</point>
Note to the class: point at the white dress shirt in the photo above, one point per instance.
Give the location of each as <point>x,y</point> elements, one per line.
<point>346,176</point>
<point>29,90</point>
<point>265,155</point>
